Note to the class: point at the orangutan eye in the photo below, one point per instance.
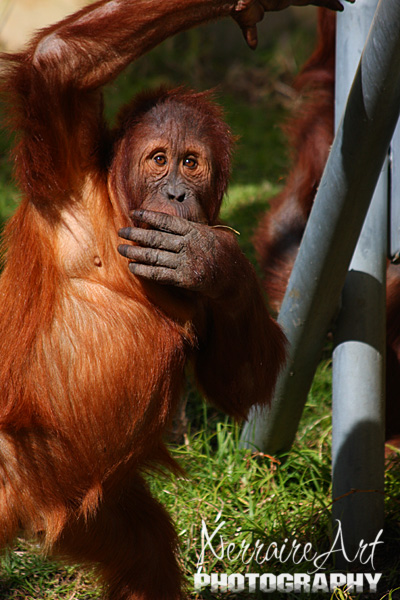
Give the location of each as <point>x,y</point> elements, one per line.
<point>160,159</point>
<point>190,162</point>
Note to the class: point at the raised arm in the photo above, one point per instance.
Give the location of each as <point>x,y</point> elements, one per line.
<point>55,84</point>
<point>99,41</point>
<point>96,43</point>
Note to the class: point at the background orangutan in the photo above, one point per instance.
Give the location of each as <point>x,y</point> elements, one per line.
<point>278,236</point>
<point>92,353</point>
<point>310,135</point>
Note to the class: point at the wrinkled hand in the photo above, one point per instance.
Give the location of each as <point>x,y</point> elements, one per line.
<point>177,252</point>
<point>248,13</point>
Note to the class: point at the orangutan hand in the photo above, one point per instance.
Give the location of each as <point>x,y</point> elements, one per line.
<point>248,13</point>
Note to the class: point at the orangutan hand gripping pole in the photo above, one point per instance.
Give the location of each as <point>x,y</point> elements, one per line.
<point>92,353</point>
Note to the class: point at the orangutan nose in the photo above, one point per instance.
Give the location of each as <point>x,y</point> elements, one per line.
<point>176,193</point>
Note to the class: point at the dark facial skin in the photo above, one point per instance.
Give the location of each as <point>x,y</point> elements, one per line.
<point>172,174</point>
<point>171,169</point>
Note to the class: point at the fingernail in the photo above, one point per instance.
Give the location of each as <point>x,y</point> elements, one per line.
<point>137,212</point>
<point>241,5</point>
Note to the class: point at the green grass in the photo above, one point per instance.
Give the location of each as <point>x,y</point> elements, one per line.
<point>259,497</point>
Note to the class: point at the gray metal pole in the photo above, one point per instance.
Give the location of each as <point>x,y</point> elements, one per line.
<point>343,198</point>
<point>358,384</point>
<point>394,250</point>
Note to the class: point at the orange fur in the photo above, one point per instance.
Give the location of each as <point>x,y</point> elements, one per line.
<point>92,358</point>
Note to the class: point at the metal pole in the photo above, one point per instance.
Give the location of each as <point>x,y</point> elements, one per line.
<point>343,198</point>
<point>358,383</point>
<point>394,250</point>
